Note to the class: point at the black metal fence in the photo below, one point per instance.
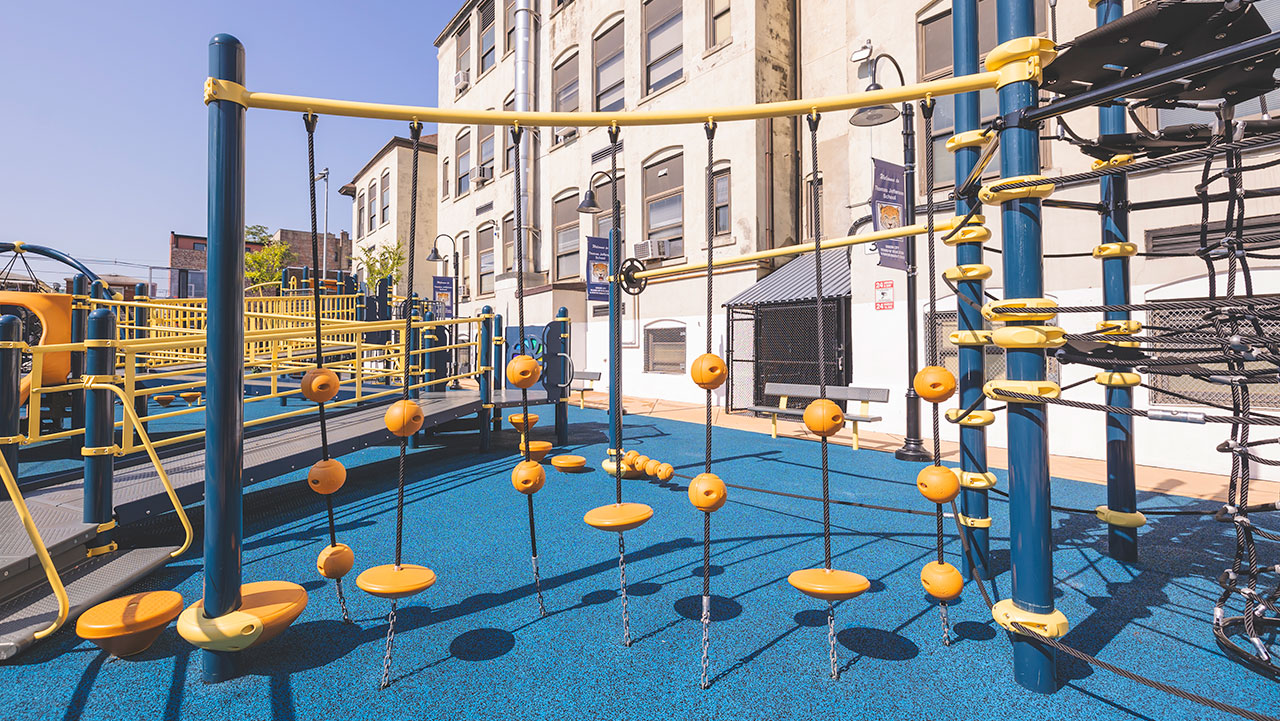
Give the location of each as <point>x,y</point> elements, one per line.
<point>778,343</point>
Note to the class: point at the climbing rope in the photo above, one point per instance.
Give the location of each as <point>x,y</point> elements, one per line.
<point>309,121</point>
<point>516,133</point>
<point>710,128</point>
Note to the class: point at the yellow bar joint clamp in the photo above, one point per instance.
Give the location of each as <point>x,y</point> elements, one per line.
<point>1029,336</point>
<point>1021,59</point>
<point>994,310</point>
<point>1119,327</point>
<point>1117,379</point>
<point>100,450</point>
<point>1053,624</point>
<point>976,271</point>
<point>978,481</point>
<point>972,522</point>
<point>215,89</point>
<point>1114,161</point>
<point>1115,250</point>
<point>969,139</point>
<point>970,337</point>
<point>1120,518</point>
<point>994,194</point>
<point>101,550</point>
<point>974,419</point>
<point>973,232</point>
<point>1041,389</point>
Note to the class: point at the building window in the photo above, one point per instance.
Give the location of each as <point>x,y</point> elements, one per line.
<point>564,215</point>
<point>464,264</point>
<point>373,206</point>
<point>604,196</point>
<point>445,180</point>
<point>488,47</point>
<point>464,49</point>
<point>664,204</point>
<point>664,350</point>
<point>1199,389</point>
<point>663,44</point>
<point>1185,239</point>
<point>485,147</point>
<point>934,53</point>
<point>509,13</point>
<point>464,162</point>
<point>484,253</point>
<point>360,215</point>
<point>386,196</point>
<point>198,247</point>
<point>564,80</point>
<point>508,145</point>
<point>720,201</point>
<point>610,71</point>
<point>717,22</point>
<point>508,243</point>
<point>944,324</point>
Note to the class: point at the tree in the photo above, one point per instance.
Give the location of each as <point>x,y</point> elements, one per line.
<point>266,265</point>
<point>383,261</point>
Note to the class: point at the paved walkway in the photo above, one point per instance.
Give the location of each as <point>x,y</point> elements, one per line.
<point>1148,478</point>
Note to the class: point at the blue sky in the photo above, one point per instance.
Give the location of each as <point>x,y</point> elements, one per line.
<point>104,132</point>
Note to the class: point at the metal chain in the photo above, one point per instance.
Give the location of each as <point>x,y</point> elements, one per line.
<point>537,585</point>
<point>831,639</point>
<point>946,623</point>
<point>622,571</point>
<point>706,623</point>
<point>342,603</point>
<point>386,656</point>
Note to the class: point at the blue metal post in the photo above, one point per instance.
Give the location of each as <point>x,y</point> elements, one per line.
<point>141,319</point>
<point>1122,543</point>
<point>1030,529</point>
<point>499,368</point>
<point>79,321</point>
<point>973,439</point>
<point>486,378</point>
<point>224,389</point>
<point>10,389</point>
<point>99,420</point>
<point>562,378</point>
<point>435,363</point>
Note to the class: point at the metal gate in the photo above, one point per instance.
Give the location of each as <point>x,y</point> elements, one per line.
<point>778,343</point>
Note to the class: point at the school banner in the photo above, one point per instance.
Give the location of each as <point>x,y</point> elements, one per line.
<point>597,268</point>
<point>888,202</point>
<point>442,294</point>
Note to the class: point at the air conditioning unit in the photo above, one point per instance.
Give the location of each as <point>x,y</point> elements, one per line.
<point>481,174</point>
<point>461,80</point>
<point>651,250</point>
<point>565,134</point>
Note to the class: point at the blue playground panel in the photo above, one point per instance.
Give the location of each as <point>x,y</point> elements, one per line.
<point>474,647</point>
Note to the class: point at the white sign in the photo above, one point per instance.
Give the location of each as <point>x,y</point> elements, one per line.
<point>884,295</point>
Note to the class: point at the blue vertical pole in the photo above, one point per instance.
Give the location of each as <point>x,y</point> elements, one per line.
<point>486,378</point>
<point>1030,529</point>
<point>10,389</point>
<point>79,321</point>
<point>1122,543</point>
<point>224,436</point>
<point>972,358</point>
<point>562,378</point>
<point>99,420</point>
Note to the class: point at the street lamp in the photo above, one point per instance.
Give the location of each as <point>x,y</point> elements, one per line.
<point>591,207</point>
<point>912,446</point>
<point>324,259</point>
<point>434,257</point>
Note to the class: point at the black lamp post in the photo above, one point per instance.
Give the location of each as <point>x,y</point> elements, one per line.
<point>434,257</point>
<point>912,446</point>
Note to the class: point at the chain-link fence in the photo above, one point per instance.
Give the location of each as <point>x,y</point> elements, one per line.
<point>778,343</point>
<point>944,323</point>
<point>1262,395</point>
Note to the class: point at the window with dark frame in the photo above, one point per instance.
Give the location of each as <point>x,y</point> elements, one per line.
<point>463,41</point>
<point>508,145</point>
<point>720,202</point>
<point>664,350</point>
<point>509,17</point>
<point>488,46</point>
<point>464,265</point>
<point>508,243</point>
<point>664,204</point>
<point>604,196</point>
<point>386,196</point>
<point>663,44</point>
<point>445,179</point>
<point>564,217</point>
<point>717,22</point>
<point>360,215</point>
<point>464,162</point>
<point>610,71</point>
<point>564,81</point>
<point>485,146</point>
<point>373,205</point>
<point>484,253</point>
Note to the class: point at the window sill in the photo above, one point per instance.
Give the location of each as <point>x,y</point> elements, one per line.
<point>717,48</point>
<point>484,73</point>
<point>460,196</point>
<point>664,91</point>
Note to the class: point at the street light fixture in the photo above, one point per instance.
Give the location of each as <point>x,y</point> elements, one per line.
<point>912,445</point>
<point>434,257</point>
<point>324,259</point>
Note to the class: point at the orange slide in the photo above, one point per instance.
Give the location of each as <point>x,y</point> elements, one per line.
<point>54,312</point>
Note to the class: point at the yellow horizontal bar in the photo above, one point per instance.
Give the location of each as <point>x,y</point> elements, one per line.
<point>225,90</point>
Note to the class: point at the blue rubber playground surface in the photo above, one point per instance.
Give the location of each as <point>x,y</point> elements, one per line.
<point>474,645</point>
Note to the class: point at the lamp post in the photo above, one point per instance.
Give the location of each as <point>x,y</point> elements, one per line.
<point>591,207</point>
<point>324,258</point>
<point>434,257</point>
<point>912,446</point>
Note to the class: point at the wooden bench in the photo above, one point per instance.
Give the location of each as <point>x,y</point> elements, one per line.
<point>582,382</point>
<point>787,391</point>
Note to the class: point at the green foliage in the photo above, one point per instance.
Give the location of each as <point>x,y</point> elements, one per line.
<point>266,265</point>
<point>383,261</point>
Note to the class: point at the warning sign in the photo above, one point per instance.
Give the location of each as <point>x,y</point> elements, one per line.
<point>884,295</point>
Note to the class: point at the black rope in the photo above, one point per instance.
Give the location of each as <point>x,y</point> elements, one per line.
<point>816,225</point>
<point>710,128</point>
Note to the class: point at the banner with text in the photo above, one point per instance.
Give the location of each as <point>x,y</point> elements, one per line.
<point>442,294</point>
<point>888,201</point>
<point>597,268</point>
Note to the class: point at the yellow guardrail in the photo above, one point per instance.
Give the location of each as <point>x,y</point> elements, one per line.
<point>42,552</point>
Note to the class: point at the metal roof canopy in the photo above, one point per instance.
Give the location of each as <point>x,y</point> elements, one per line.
<point>797,281</point>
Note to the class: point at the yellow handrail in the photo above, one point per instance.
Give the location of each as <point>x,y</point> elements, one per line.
<point>50,571</point>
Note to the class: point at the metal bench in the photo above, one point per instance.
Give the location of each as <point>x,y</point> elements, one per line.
<point>582,382</point>
<point>786,391</point>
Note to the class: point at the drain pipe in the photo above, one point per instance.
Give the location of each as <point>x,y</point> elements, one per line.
<point>524,102</point>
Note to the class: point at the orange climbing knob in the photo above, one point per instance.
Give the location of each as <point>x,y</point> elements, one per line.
<point>391,581</point>
<point>319,385</point>
<point>129,624</point>
<point>528,477</point>
<point>520,423</point>
<point>191,397</point>
<point>640,462</point>
<point>941,580</point>
<point>828,584</point>
<point>651,468</point>
<point>934,383</point>
<point>938,483</point>
<point>823,418</point>
<point>666,471</point>
<point>335,561</point>
<point>523,371</point>
<point>707,492</point>
<point>403,418</point>
<point>326,477</point>
<point>708,371</point>
<point>618,517</point>
<point>630,457</point>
